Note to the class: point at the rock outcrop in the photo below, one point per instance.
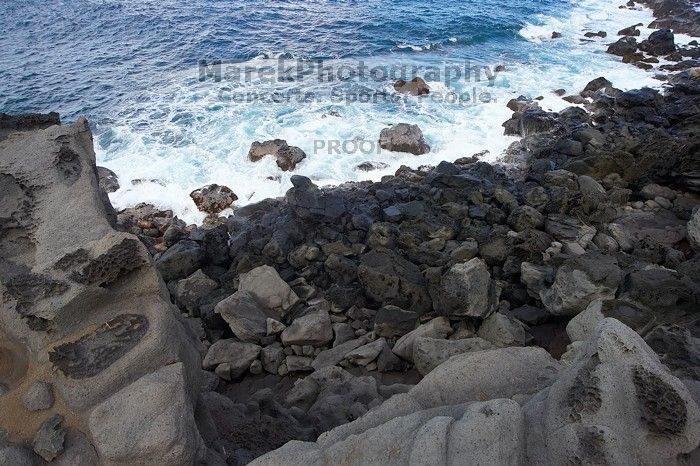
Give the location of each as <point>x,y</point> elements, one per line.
<point>84,308</point>
<point>614,404</point>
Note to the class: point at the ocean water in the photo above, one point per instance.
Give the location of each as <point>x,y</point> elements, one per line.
<point>133,69</point>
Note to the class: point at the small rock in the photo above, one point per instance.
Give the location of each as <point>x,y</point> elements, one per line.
<point>416,86</point>
<point>213,199</point>
<point>403,137</point>
<point>392,321</point>
<point>48,441</point>
<point>428,353</point>
<point>504,331</point>
<point>366,354</point>
<point>298,364</point>
<point>314,329</point>
<point>269,289</point>
<point>39,396</point>
<point>436,328</point>
<point>274,326</point>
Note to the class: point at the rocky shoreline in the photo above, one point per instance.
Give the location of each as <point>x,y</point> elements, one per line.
<point>549,305</point>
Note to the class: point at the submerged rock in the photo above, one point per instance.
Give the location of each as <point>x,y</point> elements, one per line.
<point>286,156</point>
<point>416,86</point>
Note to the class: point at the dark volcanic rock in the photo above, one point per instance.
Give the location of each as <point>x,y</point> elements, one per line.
<point>286,156</point>
<point>416,86</point>
<point>404,138</point>
<point>659,43</point>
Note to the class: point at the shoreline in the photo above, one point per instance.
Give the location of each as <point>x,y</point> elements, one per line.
<point>226,164</point>
<point>547,305</point>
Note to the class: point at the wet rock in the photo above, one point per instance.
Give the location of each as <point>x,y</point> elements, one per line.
<point>213,199</point>
<point>404,137</point>
<point>311,203</point>
<point>416,86</point>
<point>108,180</point>
<point>623,47</point>
<point>313,329</point>
<point>39,396</point>
<point>286,156</point>
<point>581,280</point>
<point>371,166</point>
<point>48,441</point>
<point>428,353</point>
<point>659,43</point>
<point>630,31</point>
<point>466,289</point>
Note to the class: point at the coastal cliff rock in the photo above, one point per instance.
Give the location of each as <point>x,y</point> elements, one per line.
<point>614,404</point>
<point>84,308</point>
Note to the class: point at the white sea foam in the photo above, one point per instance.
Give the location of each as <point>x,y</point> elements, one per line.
<point>186,136</point>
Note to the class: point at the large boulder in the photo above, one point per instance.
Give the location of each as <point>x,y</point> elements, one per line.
<point>150,422</point>
<point>403,137</point>
<point>581,280</point>
<point>390,279</point>
<point>428,353</point>
<point>180,260</point>
<point>436,328</point>
<point>286,156</point>
<point>466,289</point>
<point>623,47</point>
<point>84,304</point>
<point>248,319</point>
<point>269,290</point>
<point>314,329</point>
<point>616,403</point>
<point>230,358</point>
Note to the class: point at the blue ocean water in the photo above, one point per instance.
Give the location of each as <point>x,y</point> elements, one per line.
<point>131,67</point>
